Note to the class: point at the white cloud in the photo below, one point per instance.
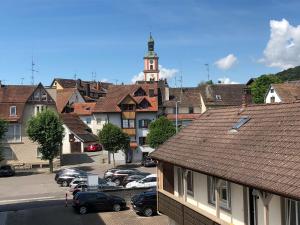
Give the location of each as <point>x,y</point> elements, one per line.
<point>164,73</point>
<point>104,80</point>
<point>226,80</point>
<point>226,62</point>
<point>283,48</point>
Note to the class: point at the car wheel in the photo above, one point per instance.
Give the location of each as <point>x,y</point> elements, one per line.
<point>148,212</point>
<point>82,210</point>
<point>117,182</point>
<point>64,184</point>
<point>116,207</point>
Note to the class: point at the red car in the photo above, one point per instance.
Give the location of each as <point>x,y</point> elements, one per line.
<point>93,148</point>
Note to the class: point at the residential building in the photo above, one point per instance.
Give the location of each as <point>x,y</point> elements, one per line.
<point>18,103</point>
<point>132,108</point>
<point>284,92</point>
<point>77,134</point>
<point>90,90</point>
<point>234,165</point>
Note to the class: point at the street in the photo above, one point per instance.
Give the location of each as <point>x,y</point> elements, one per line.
<point>33,197</point>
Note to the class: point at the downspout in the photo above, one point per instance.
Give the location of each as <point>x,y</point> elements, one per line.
<point>266,198</point>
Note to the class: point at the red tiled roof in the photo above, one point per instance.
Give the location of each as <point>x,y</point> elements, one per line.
<point>184,116</point>
<point>62,98</point>
<point>84,109</point>
<point>263,153</point>
<point>116,93</point>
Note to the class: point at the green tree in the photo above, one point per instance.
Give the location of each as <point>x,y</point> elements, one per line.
<point>160,130</point>
<point>261,85</point>
<point>3,130</point>
<point>113,139</point>
<point>47,130</point>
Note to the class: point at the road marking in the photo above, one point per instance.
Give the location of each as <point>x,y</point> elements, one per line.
<point>29,199</point>
<point>3,217</point>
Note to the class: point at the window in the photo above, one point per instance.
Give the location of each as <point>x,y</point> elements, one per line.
<point>190,183</point>
<point>128,107</point>
<point>39,108</point>
<point>142,140</point>
<point>272,90</point>
<point>225,201</point>
<point>151,92</point>
<point>144,104</point>
<point>241,122</point>
<point>38,154</point>
<point>140,92</point>
<point>292,212</point>
<point>37,95</point>
<point>7,153</point>
<point>272,99</point>
<point>13,133</point>
<point>218,97</point>
<point>88,120</point>
<point>191,109</point>
<point>144,123</point>
<point>13,111</point>
<point>128,123</point>
<point>180,182</point>
<point>44,95</point>
<point>151,67</point>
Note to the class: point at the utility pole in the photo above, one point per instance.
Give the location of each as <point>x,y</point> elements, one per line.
<point>207,68</point>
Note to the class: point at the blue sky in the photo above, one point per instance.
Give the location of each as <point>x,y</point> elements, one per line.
<point>68,37</point>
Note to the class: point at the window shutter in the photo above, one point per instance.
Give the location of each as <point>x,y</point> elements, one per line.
<point>140,123</point>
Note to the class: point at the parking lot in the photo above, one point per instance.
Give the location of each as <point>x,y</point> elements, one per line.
<point>33,197</point>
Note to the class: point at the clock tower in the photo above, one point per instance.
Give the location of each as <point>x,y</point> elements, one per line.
<point>151,71</point>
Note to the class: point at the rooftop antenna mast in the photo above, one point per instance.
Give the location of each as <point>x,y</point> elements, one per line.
<point>33,71</point>
<point>22,80</point>
<point>207,68</point>
<point>75,76</point>
<point>93,76</point>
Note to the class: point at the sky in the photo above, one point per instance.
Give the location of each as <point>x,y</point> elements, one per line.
<point>107,39</point>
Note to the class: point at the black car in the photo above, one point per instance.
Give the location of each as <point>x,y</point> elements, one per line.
<point>84,202</point>
<point>148,162</point>
<point>131,178</point>
<point>119,176</point>
<point>65,179</point>
<point>7,171</point>
<point>145,203</point>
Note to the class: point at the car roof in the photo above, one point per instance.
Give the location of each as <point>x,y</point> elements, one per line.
<point>151,175</point>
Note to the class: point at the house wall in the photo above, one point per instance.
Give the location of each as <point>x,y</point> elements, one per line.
<point>26,150</point>
<point>236,214</point>
<point>269,95</point>
<point>66,147</point>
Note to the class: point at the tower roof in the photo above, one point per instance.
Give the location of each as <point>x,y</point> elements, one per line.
<point>151,52</point>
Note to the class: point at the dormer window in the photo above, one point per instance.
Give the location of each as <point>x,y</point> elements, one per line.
<point>44,95</point>
<point>127,107</point>
<point>151,92</point>
<point>272,90</point>
<point>13,110</point>
<point>140,92</point>
<point>37,96</point>
<point>144,104</point>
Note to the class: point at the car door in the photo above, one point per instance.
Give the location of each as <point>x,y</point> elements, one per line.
<point>102,202</point>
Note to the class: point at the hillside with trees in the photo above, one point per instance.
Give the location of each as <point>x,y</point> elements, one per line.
<point>261,84</point>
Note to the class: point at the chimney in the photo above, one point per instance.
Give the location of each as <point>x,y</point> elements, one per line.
<point>98,85</point>
<point>247,97</point>
<point>87,89</point>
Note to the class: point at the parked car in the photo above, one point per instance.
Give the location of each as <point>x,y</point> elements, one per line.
<point>7,171</point>
<point>131,178</point>
<point>84,202</point>
<point>103,184</point>
<point>93,148</point>
<point>148,162</point>
<point>68,171</point>
<point>65,179</point>
<point>148,181</point>
<point>119,176</point>
<point>145,203</point>
<point>78,180</point>
<point>110,172</point>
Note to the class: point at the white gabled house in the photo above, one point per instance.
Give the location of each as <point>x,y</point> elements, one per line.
<point>284,92</point>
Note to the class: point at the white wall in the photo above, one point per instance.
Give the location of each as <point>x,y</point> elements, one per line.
<point>269,95</point>
<point>142,132</point>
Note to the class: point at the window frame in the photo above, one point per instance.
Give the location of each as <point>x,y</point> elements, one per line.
<point>287,208</point>
<point>11,110</point>
<point>190,183</point>
<point>129,123</point>
<point>144,123</point>
<point>272,99</point>
<point>211,187</point>
<point>17,129</point>
<point>191,110</point>
<point>143,142</point>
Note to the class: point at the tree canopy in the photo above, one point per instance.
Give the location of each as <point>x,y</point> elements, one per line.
<point>47,130</point>
<point>260,87</point>
<point>3,130</point>
<point>160,130</point>
<point>113,139</point>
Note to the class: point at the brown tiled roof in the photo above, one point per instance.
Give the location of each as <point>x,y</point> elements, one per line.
<point>62,98</point>
<point>231,94</point>
<point>189,97</point>
<point>288,92</point>
<point>78,127</point>
<point>184,116</point>
<point>84,109</point>
<point>263,153</point>
<point>14,95</point>
<point>116,93</point>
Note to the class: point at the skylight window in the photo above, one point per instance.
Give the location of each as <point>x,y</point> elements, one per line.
<point>241,122</point>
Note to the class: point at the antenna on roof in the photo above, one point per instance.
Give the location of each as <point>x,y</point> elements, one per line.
<point>75,76</point>
<point>93,76</point>
<point>22,80</point>
<point>33,71</point>
<point>207,68</point>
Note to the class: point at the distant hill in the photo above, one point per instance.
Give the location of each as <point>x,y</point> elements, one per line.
<point>261,84</point>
